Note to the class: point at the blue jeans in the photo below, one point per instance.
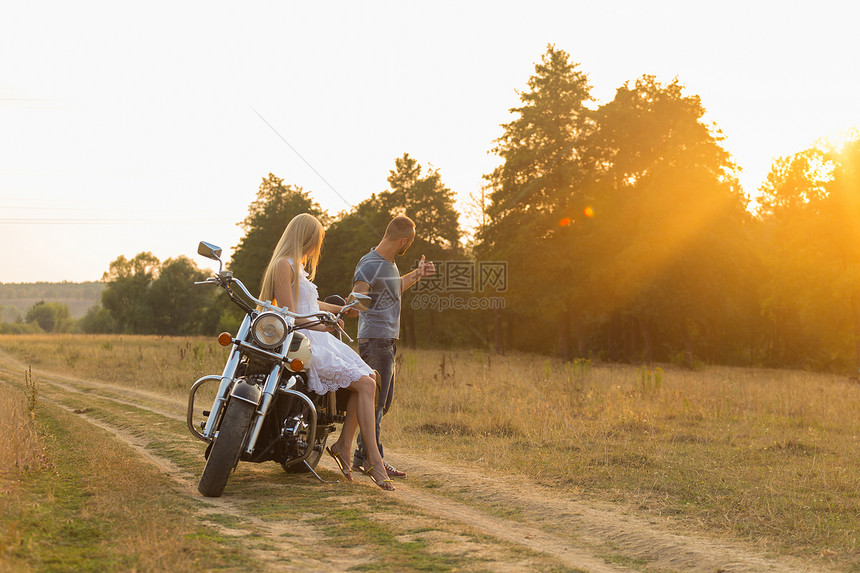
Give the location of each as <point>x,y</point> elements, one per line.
<point>378,353</point>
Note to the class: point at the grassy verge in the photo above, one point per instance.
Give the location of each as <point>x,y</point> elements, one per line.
<point>94,505</point>
<point>20,449</point>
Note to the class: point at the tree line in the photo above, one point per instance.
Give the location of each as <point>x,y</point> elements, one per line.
<point>44,306</point>
<point>616,231</point>
<point>66,290</point>
<point>633,213</point>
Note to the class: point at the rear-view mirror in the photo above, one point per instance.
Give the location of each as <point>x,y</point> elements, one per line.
<point>362,301</point>
<point>209,251</point>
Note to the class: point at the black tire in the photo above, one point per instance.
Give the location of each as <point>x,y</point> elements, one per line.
<point>226,448</point>
<point>312,460</point>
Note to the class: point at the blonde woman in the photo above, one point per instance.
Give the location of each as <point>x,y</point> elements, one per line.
<point>333,364</point>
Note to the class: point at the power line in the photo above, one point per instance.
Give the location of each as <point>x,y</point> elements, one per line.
<point>318,174</point>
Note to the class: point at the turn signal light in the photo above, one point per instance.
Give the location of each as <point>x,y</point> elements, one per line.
<point>224,339</point>
<point>296,365</point>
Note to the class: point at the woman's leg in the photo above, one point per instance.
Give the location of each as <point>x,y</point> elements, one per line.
<point>347,431</point>
<point>365,409</point>
<point>361,412</point>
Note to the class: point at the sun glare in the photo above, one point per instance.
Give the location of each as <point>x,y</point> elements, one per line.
<point>836,142</point>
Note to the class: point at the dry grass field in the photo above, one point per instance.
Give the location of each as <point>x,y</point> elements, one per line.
<point>157,363</point>
<point>767,457</point>
<point>772,456</point>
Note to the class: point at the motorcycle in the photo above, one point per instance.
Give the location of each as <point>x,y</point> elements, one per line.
<point>263,410</point>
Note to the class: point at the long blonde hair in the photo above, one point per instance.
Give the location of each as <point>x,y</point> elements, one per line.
<point>301,242</point>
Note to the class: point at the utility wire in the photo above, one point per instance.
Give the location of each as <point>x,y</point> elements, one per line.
<point>318,174</point>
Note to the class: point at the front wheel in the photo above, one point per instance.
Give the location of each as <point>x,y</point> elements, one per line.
<point>226,448</point>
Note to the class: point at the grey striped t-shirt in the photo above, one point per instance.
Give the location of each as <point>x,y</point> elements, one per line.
<point>382,319</point>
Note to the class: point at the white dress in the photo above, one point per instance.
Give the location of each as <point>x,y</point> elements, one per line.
<point>333,364</point>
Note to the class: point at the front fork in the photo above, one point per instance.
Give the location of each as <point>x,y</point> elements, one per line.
<point>263,405</point>
<point>226,380</point>
<point>263,401</point>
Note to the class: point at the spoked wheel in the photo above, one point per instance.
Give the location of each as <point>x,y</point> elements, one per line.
<point>226,448</point>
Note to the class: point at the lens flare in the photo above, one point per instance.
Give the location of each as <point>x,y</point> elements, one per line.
<point>588,212</point>
<point>565,222</point>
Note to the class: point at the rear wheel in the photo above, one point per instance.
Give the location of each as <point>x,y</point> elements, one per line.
<point>226,448</point>
<point>313,459</point>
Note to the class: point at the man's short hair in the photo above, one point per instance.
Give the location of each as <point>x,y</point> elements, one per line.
<point>400,226</point>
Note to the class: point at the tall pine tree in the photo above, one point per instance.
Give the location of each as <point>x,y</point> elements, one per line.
<point>535,189</point>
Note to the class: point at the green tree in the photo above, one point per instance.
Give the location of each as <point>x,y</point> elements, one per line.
<point>97,320</point>
<point>50,316</point>
<point>348,238</point>
<point>538,185</point>
<point>276,204</point>
<point>669,220</point>
<point>840,235</point>
<point>796,185</point>
<point>427,201</point>
<point>792,200</point>
<point>178,306</point>
<point>421,196</point>
<point>144,296</point>
<point>810,205</point>
<point>125,293</point>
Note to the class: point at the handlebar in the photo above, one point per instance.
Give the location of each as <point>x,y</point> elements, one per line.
<point>343,332</point>
<point>226,280</point>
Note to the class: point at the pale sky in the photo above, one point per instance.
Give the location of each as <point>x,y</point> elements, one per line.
<point>134,127</point>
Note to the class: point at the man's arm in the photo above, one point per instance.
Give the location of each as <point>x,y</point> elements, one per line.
<point>425,269</point>
<point>408,280</point>
<point>361,287</point>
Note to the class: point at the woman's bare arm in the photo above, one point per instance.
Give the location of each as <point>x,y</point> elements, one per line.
<point>283,277</point>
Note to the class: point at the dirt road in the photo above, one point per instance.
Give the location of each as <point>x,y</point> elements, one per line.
<point>506,523</point>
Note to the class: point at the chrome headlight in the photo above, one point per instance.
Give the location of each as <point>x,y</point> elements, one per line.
<point>269,330</point>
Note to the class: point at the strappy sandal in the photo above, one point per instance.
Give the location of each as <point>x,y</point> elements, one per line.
<point>385,484</point>
<point>342,465</point>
